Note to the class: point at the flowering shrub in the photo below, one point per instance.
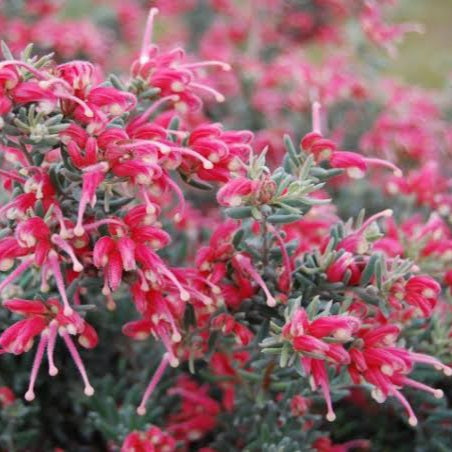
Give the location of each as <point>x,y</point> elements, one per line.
<point>229,290</point>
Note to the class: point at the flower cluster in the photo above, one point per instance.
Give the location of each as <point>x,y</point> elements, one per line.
<point>138,222</point>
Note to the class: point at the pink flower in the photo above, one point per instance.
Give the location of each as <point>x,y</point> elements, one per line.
<point>299,405</point>
<point>198,413</point>
<point>153,440</point>
<point>324,444</point>
<point>346,267</point>
<point>378,361</point>
<point>6,396</point>
<point>47,320</point>
<point>228,325</point>
<point>381,33</point>
<point>308,338</point>
<point>324,149</point>
<point>245,266</point>
<point>169,73</point>
<point>236,192</point>
<point>419,291</point>
<point>226,150</point>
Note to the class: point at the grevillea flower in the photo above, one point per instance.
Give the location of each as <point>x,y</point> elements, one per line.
<point>324,149</point>
<point>131,242</point>
<point>47,320</point>
<point>324,444</point>
<point>245,266</point>
<point>308,339</point>
<point>356,241</point>
<point>6,396</point>
<point>170,74</point>
<point>384,35</point>
<point>237,192</point>
<point>227,150</point>
<point>198,412</point>
<point>227,325</point>
<point>91,173</point>
<point>419,291</point>
<point>345,268</point>
<point>227,365</point>
<point>152,440</point>
<point>376,359</point>
<point>299,405</point>
<point>35,242</point>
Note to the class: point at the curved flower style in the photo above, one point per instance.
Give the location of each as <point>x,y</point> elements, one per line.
<point>47,320</point>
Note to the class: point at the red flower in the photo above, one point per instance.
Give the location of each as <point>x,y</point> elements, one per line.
<point>375,359</point>
<point>47,320</point>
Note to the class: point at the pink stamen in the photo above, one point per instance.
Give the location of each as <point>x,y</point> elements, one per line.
<point>24,65</point>
<point>95,225</point>
<point>30,395</point>
<point>53,330</point>
<point>221,64</point>
<point>64,233</point>
<point>184,295</point>
<point>49,81</point>
<point>164,148</point>
<point>176,337</point>
<point>246,264</point>
<point>76,264</point>
<point>316,119</point>
<point>144,286</point>
<point>141,410</point>
<point>16,273</point>
<point>88,112</point>
<point>79,229</point>
<point>438,393</point>
<point>204,298</point>
<point>131,98</point>
<point>88,390</point>
<point>383,214</point>
<point>150,207</point>
<point>92,178</point>
<point>420,358</point>
<point>282,247</point>
<point>111,305</point>
<point>385,164</point>
<point>54,265</point>
<point>215,289</point>
<point>172,359</point>
<point>207,164</point>
<point>147,37</point>
<point>330,415</point>
<point>44,278</point>
<point>412,419</point>
<point>217,95</point>
<point>157,104</point>
<point>12,176</point>
<point>180,196</point>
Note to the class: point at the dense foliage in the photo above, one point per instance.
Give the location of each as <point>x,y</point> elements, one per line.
<point>243,247</point>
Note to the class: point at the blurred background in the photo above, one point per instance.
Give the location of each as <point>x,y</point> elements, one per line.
<point>424,59</point>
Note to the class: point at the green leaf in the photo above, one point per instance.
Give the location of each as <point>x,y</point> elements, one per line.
<point>370,269</point>
<point>239,213</point>
<point>238,236</point>
<point>290,148</point>
<point>5,51</point>
<point>283,219</point>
